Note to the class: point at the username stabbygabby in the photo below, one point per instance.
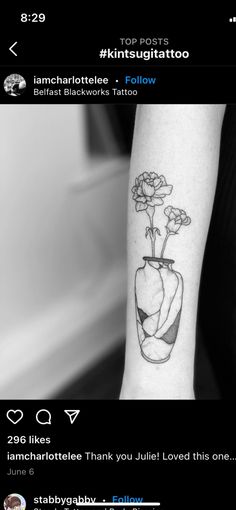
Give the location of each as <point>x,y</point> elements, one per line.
<point>66,80</point>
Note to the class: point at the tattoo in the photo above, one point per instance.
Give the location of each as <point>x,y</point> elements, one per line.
<point>158,287</point>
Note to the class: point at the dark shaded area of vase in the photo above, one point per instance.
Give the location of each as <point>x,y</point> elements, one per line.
<point>216,333</point>
<point>142,315</point>
<point>171,334</point>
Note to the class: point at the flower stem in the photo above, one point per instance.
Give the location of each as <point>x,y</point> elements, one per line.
<point>164,245</point>
<point>153,247</point>
<point>151,234</point>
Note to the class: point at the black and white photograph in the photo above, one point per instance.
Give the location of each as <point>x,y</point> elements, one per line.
<point>118,252</point>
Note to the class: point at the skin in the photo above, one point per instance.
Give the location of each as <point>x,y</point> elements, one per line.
<point>181,142</point>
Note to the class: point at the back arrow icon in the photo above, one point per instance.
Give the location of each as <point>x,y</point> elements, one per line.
<point>11,49</point>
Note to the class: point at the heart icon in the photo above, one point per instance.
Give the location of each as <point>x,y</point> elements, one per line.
<point>14,415</point>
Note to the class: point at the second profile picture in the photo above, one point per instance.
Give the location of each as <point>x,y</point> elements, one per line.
<point>14,85</point>
<point>14,502</point>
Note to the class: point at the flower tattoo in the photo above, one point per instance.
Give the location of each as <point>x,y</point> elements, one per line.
<point>177,217</point>
<point>149,190</point>
<point>158,287</point>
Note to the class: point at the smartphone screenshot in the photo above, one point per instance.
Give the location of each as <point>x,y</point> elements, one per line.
<point>117,258</point>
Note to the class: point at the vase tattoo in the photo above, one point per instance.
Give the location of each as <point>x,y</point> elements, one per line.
<point>158,287</point>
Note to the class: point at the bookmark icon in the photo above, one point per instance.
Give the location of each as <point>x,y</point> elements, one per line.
<point>72,414</point>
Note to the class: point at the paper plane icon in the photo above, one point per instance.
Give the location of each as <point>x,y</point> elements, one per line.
<point>72,413</point>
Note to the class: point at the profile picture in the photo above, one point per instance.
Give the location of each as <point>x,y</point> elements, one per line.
<point>14,85</point>
<point>14,502</point>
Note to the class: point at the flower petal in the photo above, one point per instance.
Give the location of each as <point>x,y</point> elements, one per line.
<point>176,211</point>
<point>187,221</point>
<point>163,179</point>
<point>163,190</point>
<point>173,227</point>
<point>140,206</point>
<point>155,201</point>
<point>168,210</point>
<point>157,182</point>
<point>148,190</point>
<point>141,199</point>
<point>153,175</point>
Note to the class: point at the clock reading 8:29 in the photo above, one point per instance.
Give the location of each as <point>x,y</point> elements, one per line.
<point>33,17</point>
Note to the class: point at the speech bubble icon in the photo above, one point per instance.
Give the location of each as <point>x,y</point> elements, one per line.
<point>43,417</point>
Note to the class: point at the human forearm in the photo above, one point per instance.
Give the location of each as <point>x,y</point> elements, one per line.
<point>180,143</point>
